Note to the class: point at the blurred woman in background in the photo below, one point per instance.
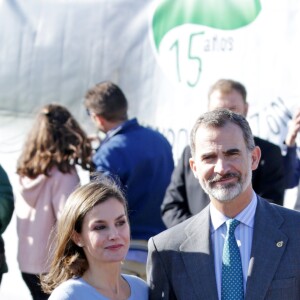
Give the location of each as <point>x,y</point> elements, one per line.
<point>47,176</point>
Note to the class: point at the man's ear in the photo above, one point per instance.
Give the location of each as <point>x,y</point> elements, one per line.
<point>255,156</point>
<point>98,119</point>
<point>246,109</point>
<point>76,238</point>
<point>193,166</point>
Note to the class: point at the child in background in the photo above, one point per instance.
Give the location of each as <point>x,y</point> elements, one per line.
<point>47,176</point>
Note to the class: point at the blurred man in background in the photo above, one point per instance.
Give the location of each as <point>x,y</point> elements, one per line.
<point>185,197</point>
<point>138,158</point>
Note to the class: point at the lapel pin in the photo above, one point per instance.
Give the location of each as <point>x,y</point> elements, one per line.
<point>279,244</point>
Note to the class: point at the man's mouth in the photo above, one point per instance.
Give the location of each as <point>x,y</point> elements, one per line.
<point>229,177</point>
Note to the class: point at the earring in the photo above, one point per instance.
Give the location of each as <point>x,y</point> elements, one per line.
<point>79,245</point>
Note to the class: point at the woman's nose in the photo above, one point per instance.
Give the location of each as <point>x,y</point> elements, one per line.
<point>113,233</point>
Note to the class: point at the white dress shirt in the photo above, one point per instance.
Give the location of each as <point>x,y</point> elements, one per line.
<point>243,235</point>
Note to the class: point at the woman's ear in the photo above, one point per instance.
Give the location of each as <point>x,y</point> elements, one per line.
<point>76,238</point>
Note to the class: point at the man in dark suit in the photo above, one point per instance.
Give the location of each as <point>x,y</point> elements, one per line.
<point>185,197</point>
<point>188,261</point>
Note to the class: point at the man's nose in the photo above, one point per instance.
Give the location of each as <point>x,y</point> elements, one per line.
<point>221,166</point>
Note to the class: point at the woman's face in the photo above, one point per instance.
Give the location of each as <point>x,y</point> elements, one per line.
<point>105,234</point>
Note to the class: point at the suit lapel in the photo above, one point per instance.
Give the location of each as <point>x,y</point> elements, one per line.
<point>198,257</point>
<point>268,246</point>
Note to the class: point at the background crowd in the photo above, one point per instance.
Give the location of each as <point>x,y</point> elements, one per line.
<point>139,164</point>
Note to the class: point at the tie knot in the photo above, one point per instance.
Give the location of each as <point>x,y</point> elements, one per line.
<point>231,225</point>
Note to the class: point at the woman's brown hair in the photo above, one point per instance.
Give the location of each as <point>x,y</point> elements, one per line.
<point>55,140</point>
<point>69,260</point>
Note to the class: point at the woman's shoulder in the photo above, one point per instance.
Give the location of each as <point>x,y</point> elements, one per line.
<point>74,289</point>
<point>139,288</point>
<point>66,290</point>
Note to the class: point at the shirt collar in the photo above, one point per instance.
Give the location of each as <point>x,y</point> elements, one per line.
<point>246,216</point>
<point>114,130</point>
<point>125,125</point>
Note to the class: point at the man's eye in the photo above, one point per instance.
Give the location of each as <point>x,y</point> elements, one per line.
<point>232,154</point>
<point>207,158</point>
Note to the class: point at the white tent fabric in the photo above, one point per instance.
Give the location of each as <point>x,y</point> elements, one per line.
<point>54,50</point>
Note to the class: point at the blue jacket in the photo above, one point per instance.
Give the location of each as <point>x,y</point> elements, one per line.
<point>142,160</point>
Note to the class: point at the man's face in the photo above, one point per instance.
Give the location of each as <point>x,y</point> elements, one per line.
<point>232,101</point>
<point>222,162</point>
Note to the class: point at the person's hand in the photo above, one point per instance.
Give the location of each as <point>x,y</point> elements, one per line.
<point>293,130</point>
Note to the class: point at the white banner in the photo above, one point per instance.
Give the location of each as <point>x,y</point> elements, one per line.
<point>255,42</point>
<point>164,55</point>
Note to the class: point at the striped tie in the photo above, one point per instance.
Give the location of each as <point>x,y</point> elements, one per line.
<point>232,272</point>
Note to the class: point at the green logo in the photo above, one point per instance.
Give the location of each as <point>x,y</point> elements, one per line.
<point>195,40</point>
<point>218,14</point>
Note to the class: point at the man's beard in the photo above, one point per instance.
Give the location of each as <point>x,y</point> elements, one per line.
<point>229,191</point>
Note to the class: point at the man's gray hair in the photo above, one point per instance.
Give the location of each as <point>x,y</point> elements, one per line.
<point>218,118</point>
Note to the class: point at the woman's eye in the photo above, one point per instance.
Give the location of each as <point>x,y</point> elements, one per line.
<point>121,223</point>
<point>99,227</point>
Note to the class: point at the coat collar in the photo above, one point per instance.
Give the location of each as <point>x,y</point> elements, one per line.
<point>123,127</point>
<point>198,257</point>
<point>268,242</point>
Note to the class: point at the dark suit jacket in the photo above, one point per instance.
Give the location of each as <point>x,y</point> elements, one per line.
<point>181,264</point>
<point>297,205</point>
<point>184,196</point>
